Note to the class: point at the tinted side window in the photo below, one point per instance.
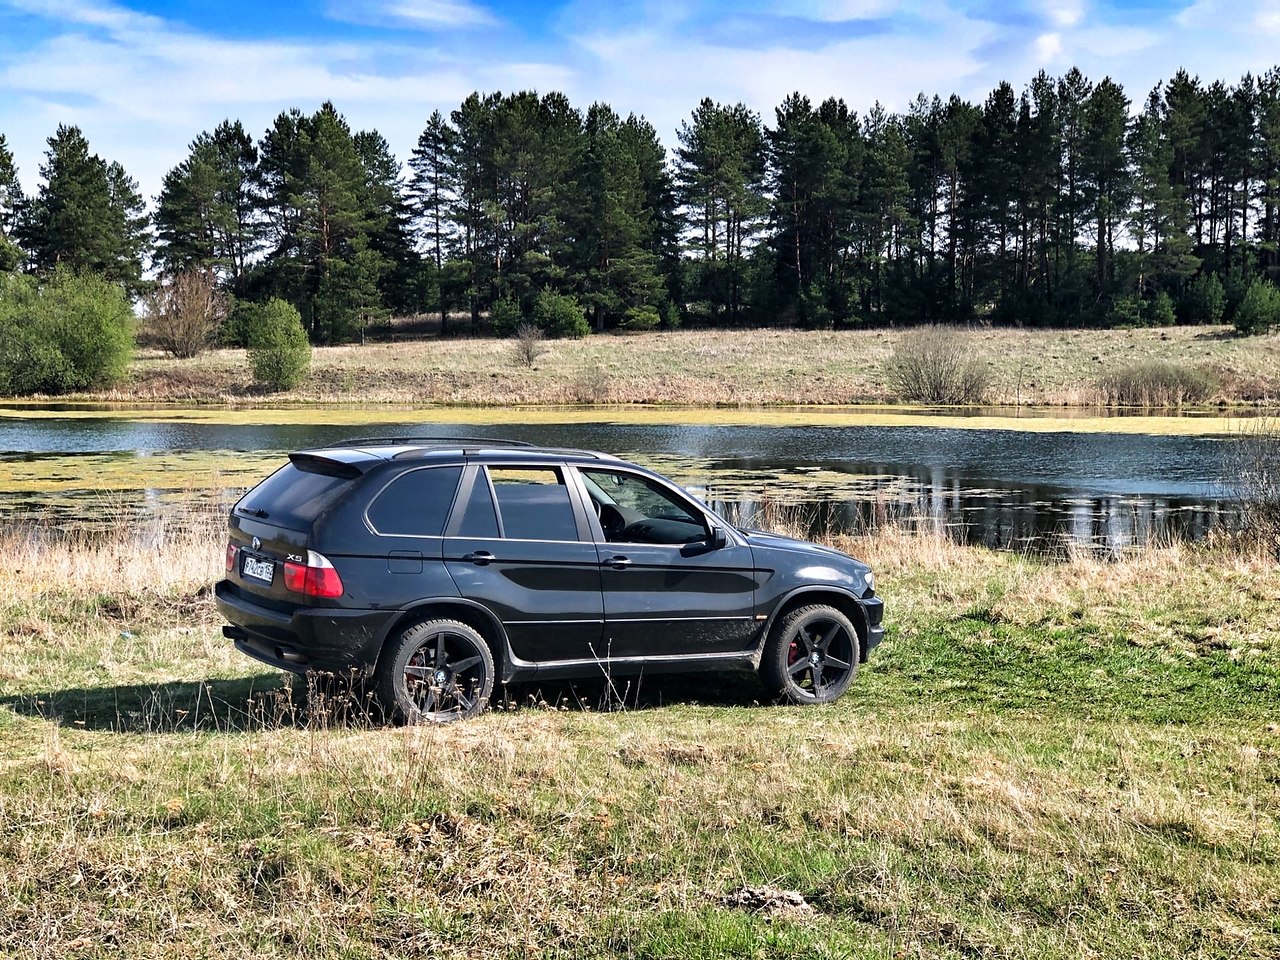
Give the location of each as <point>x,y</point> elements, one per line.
<point>479,520</point>
<point>534,503</point>
<point>417,503</point>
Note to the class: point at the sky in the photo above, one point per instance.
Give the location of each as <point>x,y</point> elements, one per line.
<point>143,78</point>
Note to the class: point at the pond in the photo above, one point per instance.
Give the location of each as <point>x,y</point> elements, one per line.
<point>1008,488</point>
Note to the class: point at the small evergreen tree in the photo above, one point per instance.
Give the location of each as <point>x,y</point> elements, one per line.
<point>1259,311</point>
<point>278,349</point>
<point>1205,300</point>
<point>1158,311</point>
<point>560,315</point>
<point>505,317</point>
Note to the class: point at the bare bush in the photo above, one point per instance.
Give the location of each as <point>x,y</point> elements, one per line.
<point>529,344</point>
<point>1156,383</point>
<point>937,365</point>
<point>1253,478</point>
<point>185,311</point>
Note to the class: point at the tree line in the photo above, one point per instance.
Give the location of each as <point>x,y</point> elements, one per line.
<point>1063,204</point>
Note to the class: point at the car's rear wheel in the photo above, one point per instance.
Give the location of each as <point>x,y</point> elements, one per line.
<point>436,671</point>
<point>811,655</point>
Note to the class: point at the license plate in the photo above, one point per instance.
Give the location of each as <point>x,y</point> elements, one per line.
<point>263,570</point>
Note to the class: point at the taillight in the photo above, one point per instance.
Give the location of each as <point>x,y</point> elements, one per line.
<point>232,552</point>
<point>315,578</point>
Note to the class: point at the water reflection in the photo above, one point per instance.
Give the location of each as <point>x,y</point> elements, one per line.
<point>1006,489</point>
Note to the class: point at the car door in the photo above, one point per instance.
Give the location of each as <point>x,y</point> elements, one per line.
<point>667,589</point>
<point>519,542</point>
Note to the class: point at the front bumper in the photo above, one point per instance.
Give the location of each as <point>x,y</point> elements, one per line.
<point>873,607</point>
<point>325,639</point>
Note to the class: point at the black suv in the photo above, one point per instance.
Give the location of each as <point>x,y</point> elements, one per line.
<point>436,566</point>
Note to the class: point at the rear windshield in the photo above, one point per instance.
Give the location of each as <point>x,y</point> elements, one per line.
<point>293,496</point>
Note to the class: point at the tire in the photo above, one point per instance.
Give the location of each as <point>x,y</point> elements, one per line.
<point>811,655</point>
<point>435,671</point>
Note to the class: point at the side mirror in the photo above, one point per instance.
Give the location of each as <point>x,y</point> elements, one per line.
<point>717,539</point>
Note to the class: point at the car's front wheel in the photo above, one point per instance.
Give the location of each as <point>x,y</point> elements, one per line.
<point>436,671</point>
<point>811,655</point>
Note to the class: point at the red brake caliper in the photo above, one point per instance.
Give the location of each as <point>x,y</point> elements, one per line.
<point>793,653</point>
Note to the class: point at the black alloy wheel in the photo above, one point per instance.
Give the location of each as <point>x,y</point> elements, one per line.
<point>811,656</point>
<point>435,672</point>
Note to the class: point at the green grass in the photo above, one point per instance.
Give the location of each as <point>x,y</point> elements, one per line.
<point>1046,760</point>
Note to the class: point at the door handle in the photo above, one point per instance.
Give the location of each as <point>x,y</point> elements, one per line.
<point>479,557</point>
<point>617,563</point>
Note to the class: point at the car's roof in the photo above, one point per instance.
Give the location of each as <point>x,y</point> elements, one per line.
<point>447,449</point>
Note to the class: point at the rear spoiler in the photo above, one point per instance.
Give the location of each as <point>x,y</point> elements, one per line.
<point>336,464</point>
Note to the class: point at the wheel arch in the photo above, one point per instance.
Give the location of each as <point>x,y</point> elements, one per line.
<point>842,600</point>
<point>475,615</point>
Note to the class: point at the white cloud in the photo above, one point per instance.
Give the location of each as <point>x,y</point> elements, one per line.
<point>1268,16</point>
<point>142,87</point>
<point>1048,47</point>
<point>836,11</point>
<point>1200,13</point>
<point>418,14</point>
<point>1064,13</point>
<point>1109,42</point>
<point>88,13</point>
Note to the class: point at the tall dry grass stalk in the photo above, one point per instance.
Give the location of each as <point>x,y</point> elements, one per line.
<point>1253,479</point>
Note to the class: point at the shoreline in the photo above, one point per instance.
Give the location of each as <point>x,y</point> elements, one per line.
<point>1204,422</point>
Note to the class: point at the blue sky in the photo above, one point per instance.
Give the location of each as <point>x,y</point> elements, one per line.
<point>143,78</point>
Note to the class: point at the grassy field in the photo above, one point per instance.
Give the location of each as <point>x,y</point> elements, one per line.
<point>1048,760</point>
<point>1052,367</point>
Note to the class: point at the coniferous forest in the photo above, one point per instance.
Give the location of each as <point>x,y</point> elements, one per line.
<point>1063,204</point>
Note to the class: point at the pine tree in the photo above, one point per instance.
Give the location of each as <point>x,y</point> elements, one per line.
<point>319,218</point>
<point>207,214</point>
<point>432,189</point>
<point>11,202</point>
<point>1104,172</point>
<point>87,215</point>
<point>720,171</point>
<point>617,270</point>
<point>387,227</point>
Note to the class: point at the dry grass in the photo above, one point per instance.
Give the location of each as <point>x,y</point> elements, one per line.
<point>1045,759</point>
<point>704,367</point>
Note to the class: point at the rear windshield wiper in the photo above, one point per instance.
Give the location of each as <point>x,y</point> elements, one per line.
<point>255,512</point>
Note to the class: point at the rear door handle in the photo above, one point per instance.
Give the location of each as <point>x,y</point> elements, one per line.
<point>480,557</point>
<point>617,563</point>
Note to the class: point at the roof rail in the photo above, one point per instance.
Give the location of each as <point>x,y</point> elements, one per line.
<point>389,441</point>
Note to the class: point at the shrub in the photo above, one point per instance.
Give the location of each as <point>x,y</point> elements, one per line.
<point>278,349</point>
<point>1124,312</point>
<point>671,318</point>
<point>1205,300</point>
<point>242,317</point>
<point>1259,311</point>
<point>529,345</point>
<point>66,332</point>
<point>560,316</point>
<point>184,312</point>
<point>1156,384</point>
<point>935,365</point>
<point>1158,311</point>
<point>505,317</point>
<point>641,318</point>
<point>30,363</point>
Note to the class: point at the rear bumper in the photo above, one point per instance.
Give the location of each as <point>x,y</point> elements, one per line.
<point>310,638</point>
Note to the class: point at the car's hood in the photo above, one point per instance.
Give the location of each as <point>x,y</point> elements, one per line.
<point>774,541</point>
